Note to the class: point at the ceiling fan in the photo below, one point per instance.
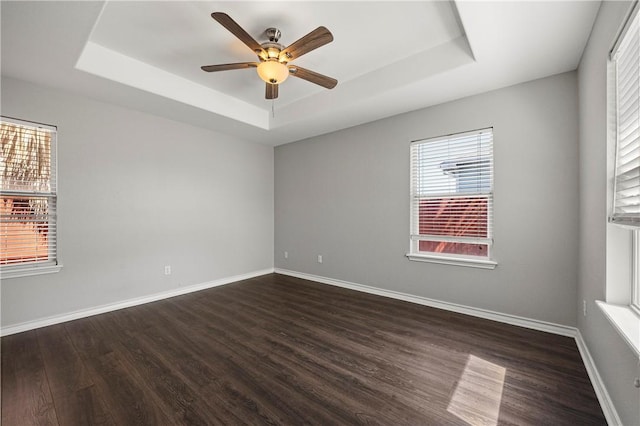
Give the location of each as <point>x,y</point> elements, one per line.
<point>274,67</point>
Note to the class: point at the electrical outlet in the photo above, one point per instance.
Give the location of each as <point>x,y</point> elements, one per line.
<point>286,254</point>
<point>319,258</point>
<point>167,270</point>
<point>584,308</point>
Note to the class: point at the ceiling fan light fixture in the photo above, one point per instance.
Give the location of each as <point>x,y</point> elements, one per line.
<point>274,58</point>
<point>273,72</point>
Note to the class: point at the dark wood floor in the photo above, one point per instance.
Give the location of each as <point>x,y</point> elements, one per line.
<point>280,350</point>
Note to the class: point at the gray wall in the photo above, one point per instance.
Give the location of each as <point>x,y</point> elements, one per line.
<point>345,195</point>
<point>614,359</point>
<point>137,192</point>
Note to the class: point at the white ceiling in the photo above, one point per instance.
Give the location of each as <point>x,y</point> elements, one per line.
<point>389,57</point>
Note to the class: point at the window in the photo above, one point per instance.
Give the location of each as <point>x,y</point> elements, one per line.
<point>626,192</point>
<point>623,191</point>
<point>452,199</point>
<point>625,209</point>
<point>27,198</point>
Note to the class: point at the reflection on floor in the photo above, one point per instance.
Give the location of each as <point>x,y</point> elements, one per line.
<point>477,397</point>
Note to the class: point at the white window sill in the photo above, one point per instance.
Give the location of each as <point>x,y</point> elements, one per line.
<point>456,261</point>
<point>625,321</point>
<point>26,271</point>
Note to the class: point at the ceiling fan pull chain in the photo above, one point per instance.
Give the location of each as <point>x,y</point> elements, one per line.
<point>273,111</point>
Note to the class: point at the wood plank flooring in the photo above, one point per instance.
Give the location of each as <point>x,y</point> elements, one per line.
<point>280,350</point>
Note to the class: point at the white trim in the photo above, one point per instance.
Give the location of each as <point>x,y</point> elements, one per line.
<point>457,261</point>
<point>83,313</point>
<point>635,273</point>
<point>623,31</point>
<point>625,321</point>
<point>456,135</point>
<point>456,239</point>
<point>606,403</point>
<point>534,324</point>
<point>17,271</point>
<point>604,399</point>
<point>30,124</point>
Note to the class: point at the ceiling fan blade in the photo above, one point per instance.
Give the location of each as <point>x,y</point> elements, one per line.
<point>313,77</point>
<point>235,29</point>
<point>271,91</point>
<point>316,38</point>
<point>227,67</point>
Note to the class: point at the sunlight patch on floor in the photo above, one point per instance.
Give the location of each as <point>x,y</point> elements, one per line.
<point>478,394</point>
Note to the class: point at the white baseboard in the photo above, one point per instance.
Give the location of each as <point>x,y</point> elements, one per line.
<point>534,324</point>
<point>83,313</point>
<point>606,403</point>
<point>596,381</point>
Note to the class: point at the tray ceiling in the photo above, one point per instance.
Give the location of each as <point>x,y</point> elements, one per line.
<point>389,57</point>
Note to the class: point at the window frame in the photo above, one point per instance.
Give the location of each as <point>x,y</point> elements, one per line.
<point>620,306</point>
<point>635,273</point>
<point>37,267</point>
<point>622,78</point>
<point>414,254</point>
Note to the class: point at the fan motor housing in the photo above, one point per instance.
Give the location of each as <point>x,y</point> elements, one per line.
<point>273,34</point>
<point>272,47</point>
<point>273,50</point>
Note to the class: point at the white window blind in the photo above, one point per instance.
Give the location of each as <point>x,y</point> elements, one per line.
<point>452,195</point>
<point>626,192</point>
<point>27,195</point>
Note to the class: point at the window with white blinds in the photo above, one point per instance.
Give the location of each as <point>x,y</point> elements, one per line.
<point>452,195</point>
<point>626,191</point>
<point>27,196</point>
